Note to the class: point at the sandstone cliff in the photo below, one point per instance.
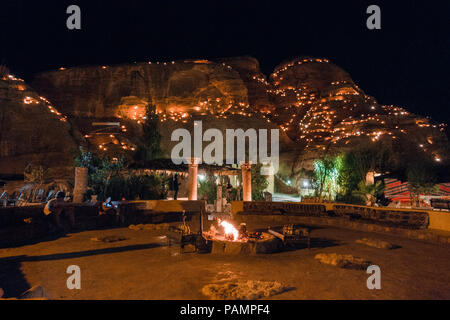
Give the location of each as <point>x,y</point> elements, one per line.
<point>312,100</point>
<point>315,103</point>
<point>32,131</point>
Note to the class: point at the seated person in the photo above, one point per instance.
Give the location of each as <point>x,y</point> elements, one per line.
<point>108,213</point>
<point>55,208</point>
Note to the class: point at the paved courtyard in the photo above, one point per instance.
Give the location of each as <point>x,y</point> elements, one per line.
<point>143,267</point>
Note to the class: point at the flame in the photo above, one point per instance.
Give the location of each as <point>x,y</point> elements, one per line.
<point>229,229</point>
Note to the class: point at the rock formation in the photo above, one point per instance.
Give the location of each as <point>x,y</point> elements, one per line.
<point>223,94</point>
<point>315,103</point>
<point>32,131</point>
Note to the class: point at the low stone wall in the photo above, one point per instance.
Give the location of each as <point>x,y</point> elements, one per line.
<point>395,217</point>
<point>168,205</point>
<point>21,225</point>
<point>15,216</point>
<point>277,220</point>
<point>157,211</point>
<point>439,220</point>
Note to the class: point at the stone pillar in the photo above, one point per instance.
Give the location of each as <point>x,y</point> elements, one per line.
<point>246,168</point>
<point>192,179</point>
<point>81,183</point>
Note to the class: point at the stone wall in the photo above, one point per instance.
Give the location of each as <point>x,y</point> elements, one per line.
<point>23,225</point>
<point>428,235</point>
<point>385,217</point>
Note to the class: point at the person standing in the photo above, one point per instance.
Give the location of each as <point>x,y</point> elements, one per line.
<point>175,186</point>
<point>55,208</point>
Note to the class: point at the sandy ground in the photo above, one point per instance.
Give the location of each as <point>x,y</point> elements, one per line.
<point>144,267</point>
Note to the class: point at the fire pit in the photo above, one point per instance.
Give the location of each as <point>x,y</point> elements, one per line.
<point>227,239</point>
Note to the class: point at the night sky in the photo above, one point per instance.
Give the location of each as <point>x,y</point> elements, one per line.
<point>406,63</point>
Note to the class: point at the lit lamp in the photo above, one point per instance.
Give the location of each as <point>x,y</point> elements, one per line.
<point>305,183</point>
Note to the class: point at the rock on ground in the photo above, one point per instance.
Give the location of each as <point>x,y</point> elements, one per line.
<point>376,243</point>
<point>150,226</point>
<point>343,260</point>
<point>109,239</point>
<point>243,290</point>
<point>36,292</point>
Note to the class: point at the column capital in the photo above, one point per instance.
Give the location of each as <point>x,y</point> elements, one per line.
<point>246,165</point>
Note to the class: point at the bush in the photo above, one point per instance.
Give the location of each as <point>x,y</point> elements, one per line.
<point>259,183</point>
<point>111,179</point>
<point>136,186</point>
<point>349,198</point>
<point>208,189</point>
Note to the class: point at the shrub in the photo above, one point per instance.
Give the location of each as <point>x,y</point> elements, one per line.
<point>208,189</point>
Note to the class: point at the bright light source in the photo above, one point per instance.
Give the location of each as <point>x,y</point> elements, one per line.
<point>201,177</point>
<point>289,182</point>
<point>305,183</point>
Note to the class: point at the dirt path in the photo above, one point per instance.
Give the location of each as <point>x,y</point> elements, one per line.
<point>143,267</point>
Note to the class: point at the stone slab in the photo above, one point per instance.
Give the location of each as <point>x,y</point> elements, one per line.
<point>270,244</point>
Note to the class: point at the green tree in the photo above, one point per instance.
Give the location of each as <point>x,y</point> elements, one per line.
<point>87,159</point>
<point>358,161</point>
<point>111,178</point>
<point>208,189</point>
<point>149,147</point>
<point>327,171</point>
<point>421,180</point>
<point>368,192</point>
<point>259,183</point>
<point>100,177</point>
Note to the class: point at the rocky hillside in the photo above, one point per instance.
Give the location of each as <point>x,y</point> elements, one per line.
<point>323,110</point>
<point>312,100</point>
<point>32,131</point>
<point>315,103</point>
<point>175,87</point>
<point>223,94</point>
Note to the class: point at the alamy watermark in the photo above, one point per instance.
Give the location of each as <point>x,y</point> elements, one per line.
<point>374,281</point>
<point>214,151</point>
<point>374,20</point>
<point>73,22</point>
<point>74,280</point>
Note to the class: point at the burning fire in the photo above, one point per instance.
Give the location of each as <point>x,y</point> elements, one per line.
<point>230,230</point>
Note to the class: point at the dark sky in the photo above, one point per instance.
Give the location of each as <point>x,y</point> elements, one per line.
<point>406,63</point>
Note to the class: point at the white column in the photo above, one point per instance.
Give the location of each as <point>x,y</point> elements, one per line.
<point>192,178</point>
<point>81,183</point>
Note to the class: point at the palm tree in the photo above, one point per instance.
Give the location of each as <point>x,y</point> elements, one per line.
<point>369,192</point>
